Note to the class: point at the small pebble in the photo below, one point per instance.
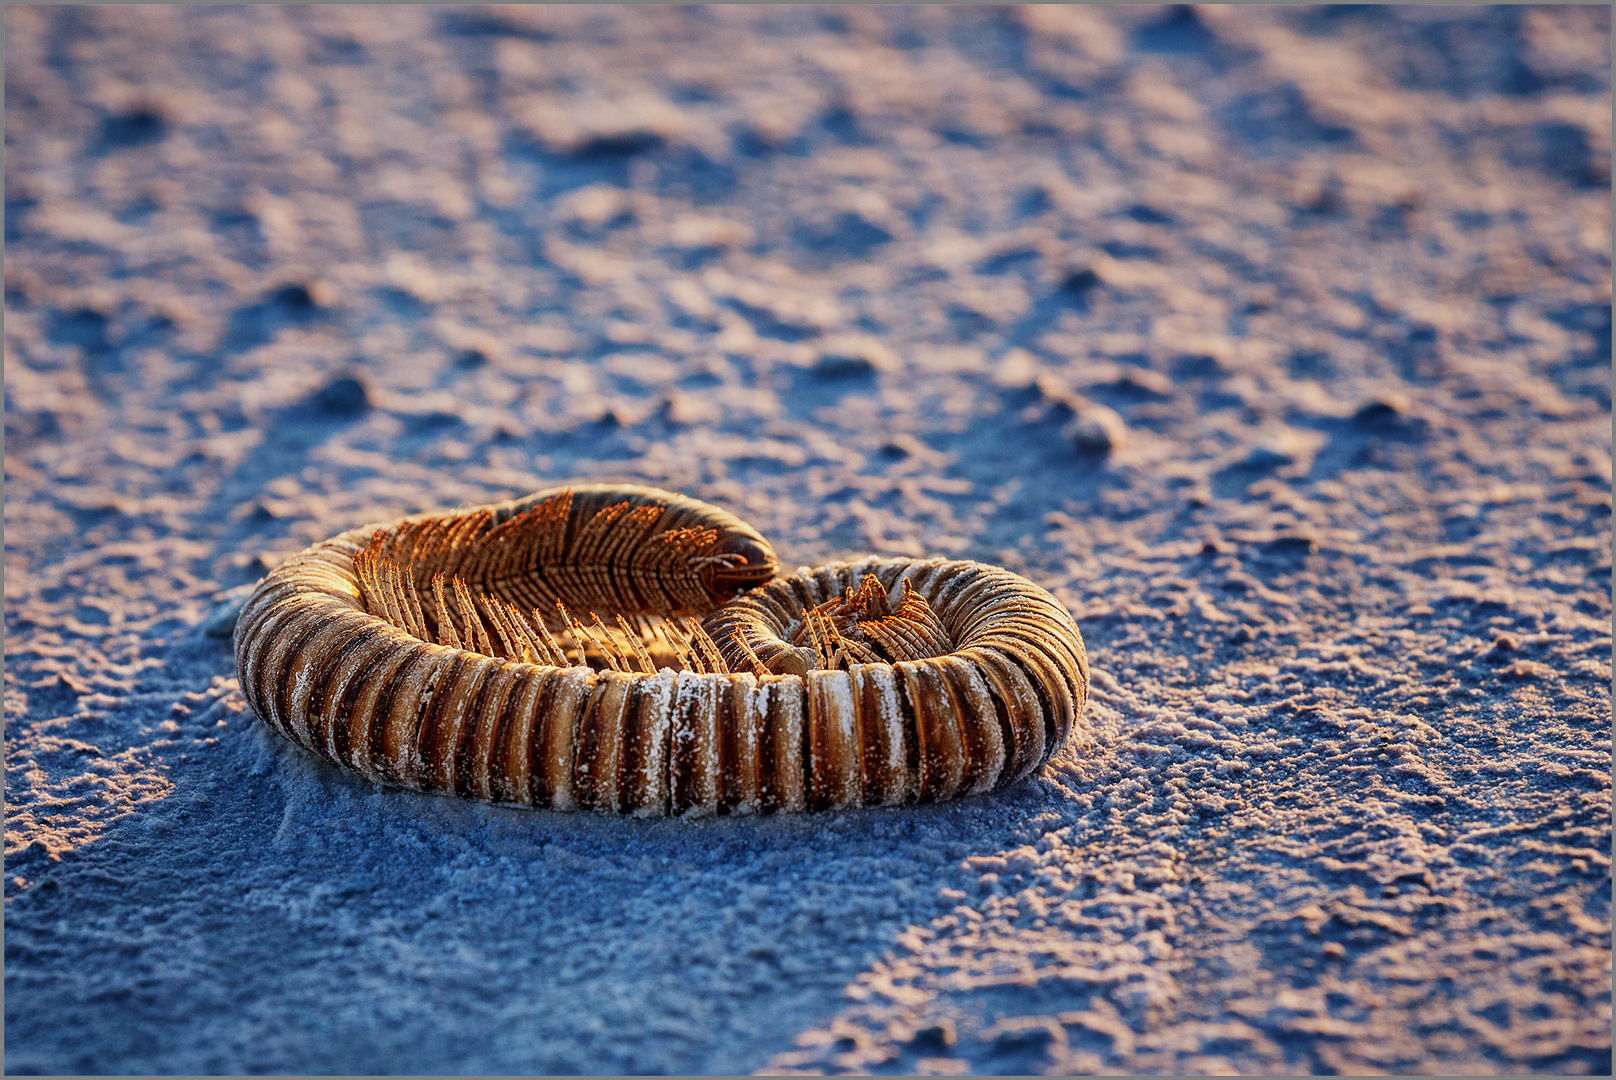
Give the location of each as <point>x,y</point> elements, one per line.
<point>1268,457</point>
<point>343,396</point>
<point>1097,430</point>
<point>938,1035</point>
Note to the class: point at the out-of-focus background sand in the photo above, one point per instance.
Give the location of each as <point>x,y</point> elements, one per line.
<point>1274,341</point>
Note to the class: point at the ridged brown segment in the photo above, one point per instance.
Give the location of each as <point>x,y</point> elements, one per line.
<point>780,749</point>
<point>646,745</point>
<point>510,771</point>
<point>286,632</point>
<point>281,626</point>
<point>474,771</point>
<point>399,756</point>
<point>1053,690</point>
<point>694,765</point>
<point>540,736</point>
<point>366,709</point>
<point>884,737</point>
<point>835,771</point>
<point>1020,709</point>
<point>305,670</point>
<point>740,730</point>
<point>328,715</point>
<point>598,768</point>
<point>939,740</point>
<point>448,721</point>
<point>571,691</point>
<point>979,724</point>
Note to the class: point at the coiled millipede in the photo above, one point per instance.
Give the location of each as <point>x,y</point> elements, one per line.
<point>445,653</point>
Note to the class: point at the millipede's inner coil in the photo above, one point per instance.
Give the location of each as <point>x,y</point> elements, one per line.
<point>978,686</point>
<point>451,653</point>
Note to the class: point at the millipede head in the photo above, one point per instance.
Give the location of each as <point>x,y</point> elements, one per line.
<point>738,562</point>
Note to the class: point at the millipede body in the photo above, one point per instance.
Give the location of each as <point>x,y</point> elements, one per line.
<point>547,652</point>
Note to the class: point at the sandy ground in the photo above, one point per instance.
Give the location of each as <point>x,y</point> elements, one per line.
<point>1275,342</point>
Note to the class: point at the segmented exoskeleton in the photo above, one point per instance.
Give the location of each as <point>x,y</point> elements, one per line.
<point>968,682</point>
<point>451,653</point>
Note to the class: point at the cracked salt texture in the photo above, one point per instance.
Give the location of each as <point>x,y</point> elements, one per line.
<point>1274,342</point>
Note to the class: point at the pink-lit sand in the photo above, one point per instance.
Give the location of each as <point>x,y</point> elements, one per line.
<point>1274,342</point>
